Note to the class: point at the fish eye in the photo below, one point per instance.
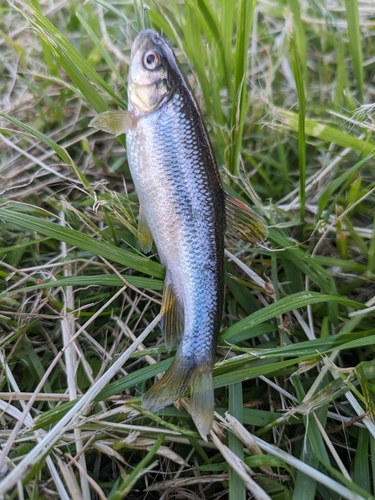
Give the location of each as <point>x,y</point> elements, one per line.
<point>152,59</point>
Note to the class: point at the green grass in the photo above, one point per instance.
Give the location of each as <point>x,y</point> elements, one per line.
<point>286,90</point>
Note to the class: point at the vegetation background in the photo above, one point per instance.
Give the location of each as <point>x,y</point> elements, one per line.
<point>286,88</point>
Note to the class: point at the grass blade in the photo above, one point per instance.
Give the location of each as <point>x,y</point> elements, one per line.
<point>289,120</point>
<point>236,485</point>
<point>355,43</point>
<point>77,68</point>
<point>296,53</point>
<point>80,240</point>
<point>245,15</point>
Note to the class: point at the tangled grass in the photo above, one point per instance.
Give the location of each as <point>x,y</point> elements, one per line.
<point>287,92</point>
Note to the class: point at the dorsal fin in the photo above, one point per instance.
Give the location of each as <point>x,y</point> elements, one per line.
<point>243,222</point>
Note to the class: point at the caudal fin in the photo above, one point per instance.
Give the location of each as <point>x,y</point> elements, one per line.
<point>182,374</point>
<point>171,386</point>
<point>202,402</point>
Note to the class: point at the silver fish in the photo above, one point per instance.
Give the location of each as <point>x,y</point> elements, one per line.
<point>184,209</point>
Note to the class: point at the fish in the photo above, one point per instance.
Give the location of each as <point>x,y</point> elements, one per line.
<point>185,211</point>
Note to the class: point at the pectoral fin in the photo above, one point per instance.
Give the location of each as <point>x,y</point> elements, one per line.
<point>172,316</point>
<point>115,122</point>
<point>243,222</point>
<point>144,233</point>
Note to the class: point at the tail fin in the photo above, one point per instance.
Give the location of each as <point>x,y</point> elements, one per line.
<point>171,386</point>
<point>202,402</point>
<point>182,374</point>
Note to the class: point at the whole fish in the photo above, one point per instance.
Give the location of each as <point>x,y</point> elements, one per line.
<point>184,209</point>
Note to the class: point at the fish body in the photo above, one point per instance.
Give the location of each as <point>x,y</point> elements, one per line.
<point>184,209</point>
<point>181,197</point>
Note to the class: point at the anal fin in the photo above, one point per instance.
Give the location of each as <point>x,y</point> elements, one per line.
<point>172,316</point>
<point>243,222</point>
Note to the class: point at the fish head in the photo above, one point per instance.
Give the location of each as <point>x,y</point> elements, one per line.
<point>153,73</point>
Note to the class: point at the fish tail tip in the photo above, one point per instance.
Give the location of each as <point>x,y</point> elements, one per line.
<point>170,387</point>
<point>151,403</point>
<point>202,401</point>
<point>157,398</point>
